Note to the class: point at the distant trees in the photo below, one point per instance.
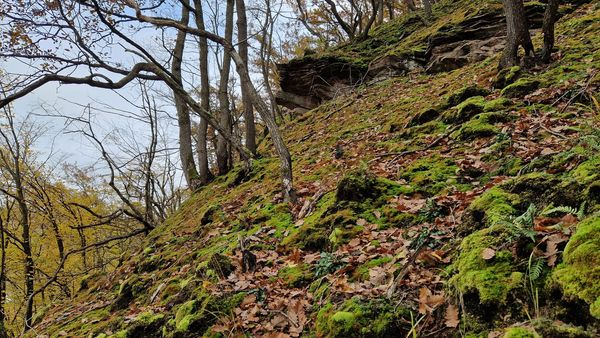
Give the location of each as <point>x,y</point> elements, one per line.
<point>68,26</point>
<point>517,32</point>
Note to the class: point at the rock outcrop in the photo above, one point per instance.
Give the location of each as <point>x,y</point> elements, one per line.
<point>309,81</point>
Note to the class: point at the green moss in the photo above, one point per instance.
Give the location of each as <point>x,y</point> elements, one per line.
<point>507,76</point>
<point>520,332</point>
<point>491,280</point>
<point>474,129</point>
<point>493,205</point>
<point>297,275</point>
<point>579,273</point>
<point>146,324</point>
<point>358,318</point>
<point>549,328</point>
<point>356,186</point>
<point>362,272</point>
<point>129,289</point>
<point>430,174</point>
<point>199,314</point>
<point>465,110</point>
<point>465,93</point>
<point>588,171</point>
<point>520,88</point>
<point>498,104</point>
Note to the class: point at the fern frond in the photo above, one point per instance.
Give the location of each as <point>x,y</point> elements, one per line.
<point>535,269</point>
<point>563,209</point>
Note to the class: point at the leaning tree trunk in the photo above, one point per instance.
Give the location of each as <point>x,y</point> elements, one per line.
<point>186,152</point>
<point>550,17</point>
<point>517,33</point>
<point>223,164</point>
<point>250,127</point>
<point>2,280</point>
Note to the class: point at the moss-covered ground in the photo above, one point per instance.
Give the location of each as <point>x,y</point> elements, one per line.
<point>394,235</point>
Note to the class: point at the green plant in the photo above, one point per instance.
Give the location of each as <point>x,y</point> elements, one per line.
<point>579,213</point>
<point>326,265</point>
<point>522,226</point>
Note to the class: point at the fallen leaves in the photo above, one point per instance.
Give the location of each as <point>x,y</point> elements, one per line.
<point>488,253</point>
<point>429,301</point>
<point>451,316</point>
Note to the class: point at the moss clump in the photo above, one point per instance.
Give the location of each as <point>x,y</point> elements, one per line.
<point>129,289</point>
<point>356,186</point>
<point>491,281</point>
<point>425,116</point>
<point>520,332</point>
<point>465,93</point>
<point>358,318</point>
<point>465,110</point>
<point>492,206</point>
<point>213,213</point>
<point>196,316</point>
<point>431,174</point>
<point>550,328</point>
<point>506,77</point>
<point>536,187</point>
<point>146,324</point>
<point>216,264</point>
<point>475,128</point>
<point>498,104</point>
<point>588,171</point>
<point>296,276</point>
<point>579,273</point>
<point>520,88</point>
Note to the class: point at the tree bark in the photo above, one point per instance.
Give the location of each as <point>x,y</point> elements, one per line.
<point>223,164</point>
<point>242,27</point>
<point>550,16</point>
<point>427,8</point>
<point>410,5</point>
<point>202,134</point>
<point>517,33</point>
<point>186,152</point>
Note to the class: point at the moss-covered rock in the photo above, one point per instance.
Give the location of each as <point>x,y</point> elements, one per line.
<point>506,76</point>
<point>579,273</point>
<point>497,105</point>
<point>475,128</point>
<point>424,116</point>
<point>215,264</point>
<point>486,282</point>
<point>549,328</point>
<point>356,186</point>
<point>465,93</point>
<point>492,206</point>
<point>430,175</point>
<point>520,332</point>
<point>465,110</point>
<point>146,324</point>
<point>296,275</point>
<point>129,289</point>
<point>358,318</point>
<point>520,88</point>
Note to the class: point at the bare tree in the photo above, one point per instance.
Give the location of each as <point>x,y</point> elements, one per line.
<point>242,34</point>
<point>223,153</point>
<point>93,20</point>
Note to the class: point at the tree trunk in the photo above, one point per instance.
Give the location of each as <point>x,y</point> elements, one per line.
<point>517,33</point>
<point>202,136</point>
<point>223,164</point>
<point>242,26</point>
<point>186,152</point>
<point>410,5</point>
<point>2,280</point>
<point>380,13</point>
<point>550,16</point>
<point>26,238</point>
<point>427,8</point>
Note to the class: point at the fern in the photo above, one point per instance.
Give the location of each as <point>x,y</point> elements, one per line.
<point>536,267</point>
<point>522,226</point>
<point>579,213</point>
<point>561,210</point>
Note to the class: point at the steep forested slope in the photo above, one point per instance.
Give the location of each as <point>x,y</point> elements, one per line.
<point>448,200</point>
